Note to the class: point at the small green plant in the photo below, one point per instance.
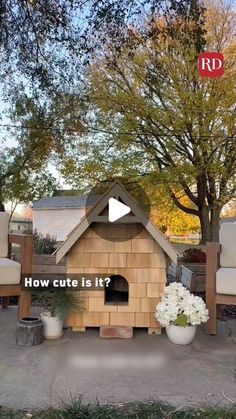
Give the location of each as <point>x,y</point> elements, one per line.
<point>44,245</point>
<point>59,301</point>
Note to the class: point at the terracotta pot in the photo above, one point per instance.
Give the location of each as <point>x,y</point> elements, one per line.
<point>181,335</point>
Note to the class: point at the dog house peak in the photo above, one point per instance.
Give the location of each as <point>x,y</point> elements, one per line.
<point>117,189</point>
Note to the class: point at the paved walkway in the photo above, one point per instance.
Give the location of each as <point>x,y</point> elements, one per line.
<point>144,368</point>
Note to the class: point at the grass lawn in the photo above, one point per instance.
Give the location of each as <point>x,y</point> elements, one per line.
<point>79,410</point>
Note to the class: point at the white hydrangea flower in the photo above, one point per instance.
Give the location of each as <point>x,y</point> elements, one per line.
<point>176,299</point>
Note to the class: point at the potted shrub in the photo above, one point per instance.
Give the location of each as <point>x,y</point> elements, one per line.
<point>44,245</point>
<point>58,303</point>
<point>180,312</point>
<point>194,255</point>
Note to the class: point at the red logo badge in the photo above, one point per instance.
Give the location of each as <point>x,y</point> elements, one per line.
<point>211,64</point>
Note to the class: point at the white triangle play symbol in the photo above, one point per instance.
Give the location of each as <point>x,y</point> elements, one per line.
<point>117,210</point>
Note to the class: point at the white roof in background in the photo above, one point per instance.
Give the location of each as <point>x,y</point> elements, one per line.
<point>61,202</point>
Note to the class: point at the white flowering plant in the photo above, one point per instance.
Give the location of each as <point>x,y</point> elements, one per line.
<point>178,306</point>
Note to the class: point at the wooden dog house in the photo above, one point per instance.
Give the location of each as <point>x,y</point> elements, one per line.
<point>132,251</point>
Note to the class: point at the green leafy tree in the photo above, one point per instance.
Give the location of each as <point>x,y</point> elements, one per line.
<point>33,148</point>
<point>27,187</point>
<point>149,105</point>
<point>150,101</point>
<point>45,44</point>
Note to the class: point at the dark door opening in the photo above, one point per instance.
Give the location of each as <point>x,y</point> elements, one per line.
<point>117,291</point>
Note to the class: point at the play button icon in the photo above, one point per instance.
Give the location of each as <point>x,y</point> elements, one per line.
<point>112,203</point>
<point>116,210</point>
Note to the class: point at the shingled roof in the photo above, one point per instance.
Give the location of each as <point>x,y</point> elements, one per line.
<point>117,189</point>
<point>61,202</point>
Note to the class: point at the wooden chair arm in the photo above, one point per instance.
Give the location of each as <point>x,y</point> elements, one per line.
<point>212,254</point>
<point>19,238</point>
<point>212,257</point>
<point>26,252</point>
<point>212,265</point>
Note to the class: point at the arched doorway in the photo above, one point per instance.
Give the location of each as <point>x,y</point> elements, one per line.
<point>117,291</point>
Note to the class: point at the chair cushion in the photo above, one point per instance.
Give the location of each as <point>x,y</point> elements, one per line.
<point>226,281</point>
<point>4,221</point>
<point>228,245</point>
<point>10,272</point>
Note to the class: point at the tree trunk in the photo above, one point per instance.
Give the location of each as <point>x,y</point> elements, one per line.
<point>2,208</point>
<point>210,224</point>
<point>215,223</point>
<point>204,217</point>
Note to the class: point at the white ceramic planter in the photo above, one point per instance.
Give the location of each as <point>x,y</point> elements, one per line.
<point>181,335</point>
<point>52,326</point>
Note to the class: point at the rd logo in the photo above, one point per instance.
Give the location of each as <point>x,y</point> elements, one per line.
<point>211,64</point>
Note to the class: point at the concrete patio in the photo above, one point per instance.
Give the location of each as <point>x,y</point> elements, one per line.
<point>117,371</point>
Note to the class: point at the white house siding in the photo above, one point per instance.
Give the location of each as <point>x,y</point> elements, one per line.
<point>57,222</point>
